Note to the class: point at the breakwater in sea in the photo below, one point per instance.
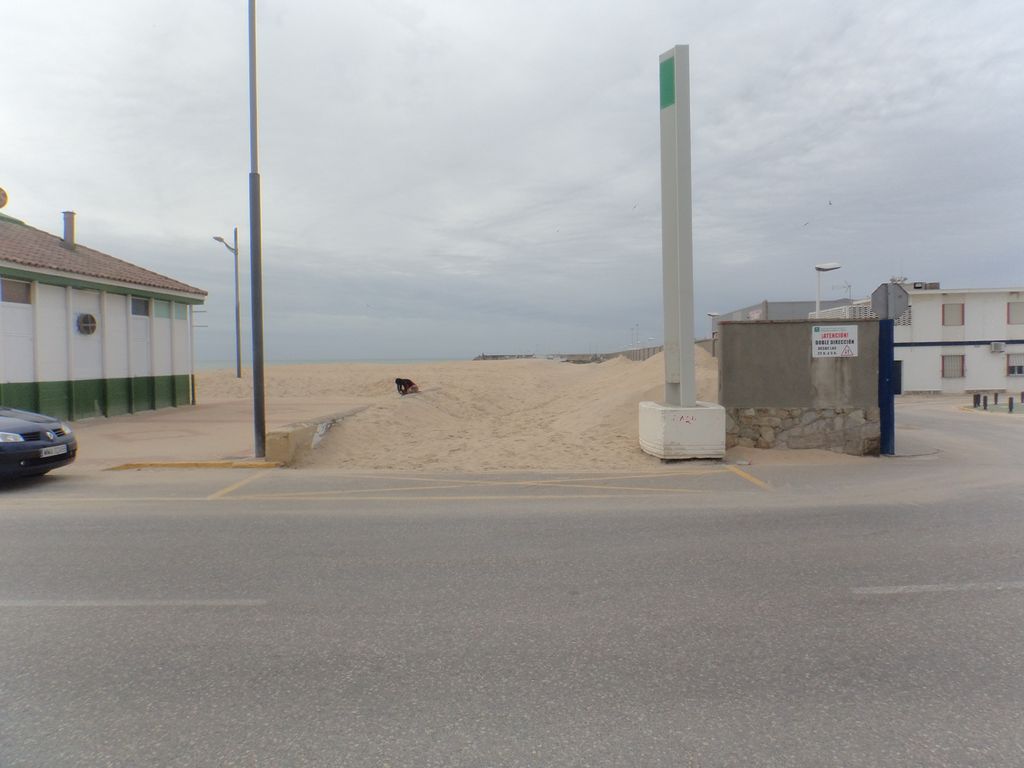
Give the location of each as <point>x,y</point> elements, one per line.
<point>637,354</point>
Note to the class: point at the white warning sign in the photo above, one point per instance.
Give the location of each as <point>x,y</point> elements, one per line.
<point>833,341</point>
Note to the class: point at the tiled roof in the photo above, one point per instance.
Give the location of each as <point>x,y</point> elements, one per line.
<point>32,248</point>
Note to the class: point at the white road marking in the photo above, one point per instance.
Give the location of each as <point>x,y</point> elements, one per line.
<point>909,589</point>
<point>229,603</point>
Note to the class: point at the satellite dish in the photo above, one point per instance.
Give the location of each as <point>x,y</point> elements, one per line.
<point>3,198</point>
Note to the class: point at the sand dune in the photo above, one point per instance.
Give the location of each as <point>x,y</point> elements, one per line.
<point>478,415</point>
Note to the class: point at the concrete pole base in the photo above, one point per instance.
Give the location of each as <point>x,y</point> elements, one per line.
<point>675,432</point>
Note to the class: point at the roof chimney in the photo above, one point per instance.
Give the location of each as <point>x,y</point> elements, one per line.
<point>69,230</point>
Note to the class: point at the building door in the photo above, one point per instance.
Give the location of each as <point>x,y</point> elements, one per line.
<point>17,343</point>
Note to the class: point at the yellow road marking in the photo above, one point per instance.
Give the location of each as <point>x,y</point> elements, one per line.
<point>569,484</point>
<point>353,491</point>
<point>495,497</point>
<point>235,486</point>
<point>550,481</point>
<point>563,483</point>
<point>359,492</point>
<point>91,499</point>
<point>425,486</point>
<point>570,481</point>
<point>749,477</point>
<point>581,473</point>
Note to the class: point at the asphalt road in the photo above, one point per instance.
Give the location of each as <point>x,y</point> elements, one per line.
<point>848,615</point>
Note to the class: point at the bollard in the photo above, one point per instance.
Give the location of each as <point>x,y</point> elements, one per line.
<point>984,402</point>
<point>977,400</point>
<point>1009,405</point>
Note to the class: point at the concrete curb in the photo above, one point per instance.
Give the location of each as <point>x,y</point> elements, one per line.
<point>288,443</point>
<point>215,464</point>
<point>285,445</point>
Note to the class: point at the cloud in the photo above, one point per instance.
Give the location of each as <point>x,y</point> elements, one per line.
<point>445,179</point>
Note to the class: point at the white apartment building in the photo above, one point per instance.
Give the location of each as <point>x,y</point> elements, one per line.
<point>955,340</point>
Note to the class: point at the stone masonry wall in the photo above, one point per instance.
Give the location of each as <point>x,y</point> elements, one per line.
<point>843,430</point>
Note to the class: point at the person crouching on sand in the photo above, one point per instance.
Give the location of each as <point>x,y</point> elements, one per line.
<point>405,386</point>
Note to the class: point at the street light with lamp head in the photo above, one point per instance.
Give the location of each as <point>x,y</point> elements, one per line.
<point>819,268</point>
<point>259,399</point>
<point>238,324</point>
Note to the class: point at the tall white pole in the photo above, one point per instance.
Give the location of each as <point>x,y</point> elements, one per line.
<point>681,427</point>
<point>677,227</point>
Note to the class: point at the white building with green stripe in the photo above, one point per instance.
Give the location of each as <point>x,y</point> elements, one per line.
<point>85,334</point>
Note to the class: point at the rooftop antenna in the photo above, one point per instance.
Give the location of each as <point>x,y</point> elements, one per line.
<point>846,286</point>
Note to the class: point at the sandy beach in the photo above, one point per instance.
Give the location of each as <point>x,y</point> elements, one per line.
<point>476,415</point>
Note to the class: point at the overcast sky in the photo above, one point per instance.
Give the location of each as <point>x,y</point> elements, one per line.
<point>446,178</point>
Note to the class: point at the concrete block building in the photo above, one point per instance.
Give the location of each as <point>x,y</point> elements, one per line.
<point>778,394</point>
<point>85,334</point>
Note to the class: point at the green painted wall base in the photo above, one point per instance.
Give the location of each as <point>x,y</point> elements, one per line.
<point>72,400</point>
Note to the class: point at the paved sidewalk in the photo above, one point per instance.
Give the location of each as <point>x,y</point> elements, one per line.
<point>208,432</point>
<point>222,431</point>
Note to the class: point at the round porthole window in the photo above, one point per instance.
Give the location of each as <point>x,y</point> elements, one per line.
<point>86,324</point>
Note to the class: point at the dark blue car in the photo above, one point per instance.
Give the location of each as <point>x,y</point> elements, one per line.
<point>33,444</point>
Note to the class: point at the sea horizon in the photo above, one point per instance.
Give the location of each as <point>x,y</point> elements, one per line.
<point>212,365</point>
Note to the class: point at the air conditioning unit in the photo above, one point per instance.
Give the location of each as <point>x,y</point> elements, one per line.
<point>932,286</point>
<point>918,286</point>
<point>997,346</point>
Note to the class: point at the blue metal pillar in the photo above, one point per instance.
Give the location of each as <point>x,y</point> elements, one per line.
<point>886,399</point>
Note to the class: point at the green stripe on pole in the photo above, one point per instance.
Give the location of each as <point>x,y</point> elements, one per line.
<point>668,82</point>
